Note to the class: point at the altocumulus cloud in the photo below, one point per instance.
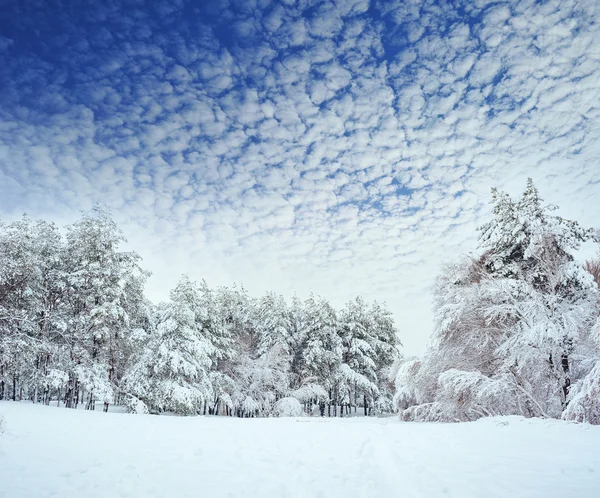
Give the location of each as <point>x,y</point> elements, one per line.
<point>343,147</point>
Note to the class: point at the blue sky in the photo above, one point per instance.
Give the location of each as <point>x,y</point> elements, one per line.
<point>338,147</point>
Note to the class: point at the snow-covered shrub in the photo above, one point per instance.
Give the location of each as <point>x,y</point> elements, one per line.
<point>584,405</point>
<point>430,412</point>
<point>584,398</point>
<point>383,405</point>
<point>309,392</point>
<point>407,385</point>
<point>137,406</point>
<point>288,407</point>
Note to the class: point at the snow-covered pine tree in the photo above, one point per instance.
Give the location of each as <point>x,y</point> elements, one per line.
<point>216,322</point>
<point>358,369</point>
<point>273,324</point>
<point>386,344</point>
<point>530,257</point>
<point>171,373</point>
<point>237,315</point>
<point>30,292</point>
<point>262,372</point>
<point>297,318</point>
<point>103,286</point>
<point>322,353</point>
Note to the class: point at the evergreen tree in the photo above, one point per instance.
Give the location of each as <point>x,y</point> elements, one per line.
<point>103,286</point>
<point>508,323</point>
<point>172,372</point>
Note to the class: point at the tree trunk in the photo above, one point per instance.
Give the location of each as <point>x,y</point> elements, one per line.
<point>567,382</point>
<point>76,394</point>
<point>69,393</point>
<point>14,396</point>
<point>89,403</point>
<point>365,403</point>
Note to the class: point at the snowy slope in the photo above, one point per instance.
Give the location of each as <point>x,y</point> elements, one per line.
<point>50,451</point>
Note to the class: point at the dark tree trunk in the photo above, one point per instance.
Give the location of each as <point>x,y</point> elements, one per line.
<point>14,396</point>
<point>75,394</point>
<point>90,403</point>
<point>70,392</point>
<point>365,403</point>
<point>567,382</point>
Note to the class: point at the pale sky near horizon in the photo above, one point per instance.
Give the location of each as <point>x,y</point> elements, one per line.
<point>343,147</point>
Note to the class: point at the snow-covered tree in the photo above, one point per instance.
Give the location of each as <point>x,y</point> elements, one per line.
<point>509,324</point>
<point>322,353</point>
<point>172,372</point>
<point>103,287</point>
<point>31,286</point>
<point>358,370</point>
<point>273,322</point>
<point>260,381</point>
<point>75,327</point>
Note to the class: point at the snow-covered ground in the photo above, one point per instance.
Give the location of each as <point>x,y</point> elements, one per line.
<point>50,451</point>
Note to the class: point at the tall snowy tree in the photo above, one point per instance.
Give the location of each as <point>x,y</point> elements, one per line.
<point>508,323</point>
<point>103,287</point>
<point>274,327</point>
<point>31,283</point>
<point>358,370</point>
<point>322,354</point>
<point>172,371</point>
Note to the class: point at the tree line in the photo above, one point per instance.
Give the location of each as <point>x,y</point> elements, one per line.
<point>76,328</point>
<point>517,331</point>
<point>517,324</point>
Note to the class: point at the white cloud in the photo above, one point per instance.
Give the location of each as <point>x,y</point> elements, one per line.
<point>322,156</point>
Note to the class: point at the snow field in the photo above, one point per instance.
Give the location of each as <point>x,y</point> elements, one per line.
<point>56,452</point>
